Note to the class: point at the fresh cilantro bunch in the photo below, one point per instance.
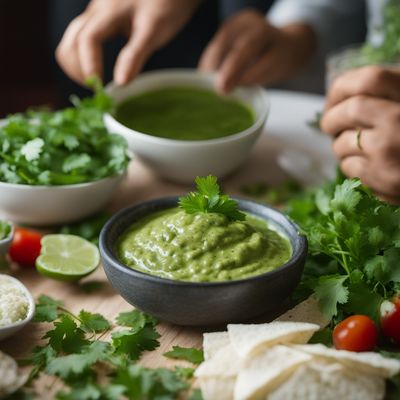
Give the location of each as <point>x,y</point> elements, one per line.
<point>208,199</point>
<point>68,146</point>
<point>91,368</point>
<point>354,247</point>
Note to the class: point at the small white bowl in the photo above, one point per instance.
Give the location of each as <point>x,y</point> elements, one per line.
<point>9,330</point>
<point>52,205</point>
<point>181,160</point>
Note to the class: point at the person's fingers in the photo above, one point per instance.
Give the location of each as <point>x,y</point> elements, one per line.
<point>90,42</point>
<point>243,54</point>
<point>383,181</point>
<point>67,54</point>
<point>354,167</point>
<point>263,72</point>
<point>215,51</point>
<point>135,53</point>
<point>354,143</point>
<point>395,200</point>
<point>356,112</point>
<point>370,81</point>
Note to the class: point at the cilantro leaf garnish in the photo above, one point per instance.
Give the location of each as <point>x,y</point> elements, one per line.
<point>192,355</point>
<point>208,199</point>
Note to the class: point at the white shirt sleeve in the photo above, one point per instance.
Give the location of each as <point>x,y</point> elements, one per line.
<point>337,23</point>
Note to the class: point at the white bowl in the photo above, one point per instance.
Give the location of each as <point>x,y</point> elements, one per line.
<point>9,330</point>
<point>52,205</point>
<point>181,160</point>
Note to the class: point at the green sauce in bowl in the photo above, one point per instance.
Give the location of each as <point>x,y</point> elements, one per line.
<point>202,247</point>
<point>185,113</point>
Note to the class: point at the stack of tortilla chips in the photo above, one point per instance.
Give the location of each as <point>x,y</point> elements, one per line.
<point>273,361</point>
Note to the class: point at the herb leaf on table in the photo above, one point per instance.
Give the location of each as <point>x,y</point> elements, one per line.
<point>190,354</point>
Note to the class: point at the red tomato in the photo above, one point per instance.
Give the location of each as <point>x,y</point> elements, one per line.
<point>25,247</point>
<point>390,319</point>
<point>355,333</point>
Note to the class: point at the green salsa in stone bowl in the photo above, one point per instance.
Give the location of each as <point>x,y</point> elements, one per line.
<point>214,288</point>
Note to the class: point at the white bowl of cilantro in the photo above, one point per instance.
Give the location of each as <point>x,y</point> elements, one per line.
<point>58,167</point>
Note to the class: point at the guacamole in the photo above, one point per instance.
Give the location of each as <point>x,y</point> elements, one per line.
<point>202,247</point>
<point>184,113</point>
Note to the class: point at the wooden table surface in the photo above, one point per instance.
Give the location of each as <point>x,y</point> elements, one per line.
<point>140,184</point>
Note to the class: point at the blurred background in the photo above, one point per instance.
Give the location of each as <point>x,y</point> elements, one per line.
<point>30,77</point>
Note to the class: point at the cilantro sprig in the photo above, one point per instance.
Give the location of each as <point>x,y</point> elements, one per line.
<point>75,349</point>
<point>68,146</point>
<point>208,199</point>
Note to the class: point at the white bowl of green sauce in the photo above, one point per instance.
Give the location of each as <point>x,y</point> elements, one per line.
<point>176,123</point>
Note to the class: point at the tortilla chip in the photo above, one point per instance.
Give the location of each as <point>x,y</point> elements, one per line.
<point>329,381</point>
<point>250,339</point>
<point>225,363</point>
<point>266,371</point>
<point>214,341</point>
<point>10,379</point>
<point>217,388</point>
<point>306,311</point>
<point>366,362</point>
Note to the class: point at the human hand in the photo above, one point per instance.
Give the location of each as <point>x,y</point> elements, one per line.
<point>148,24</point>
<point>247,50</point>
<point>363,116</point>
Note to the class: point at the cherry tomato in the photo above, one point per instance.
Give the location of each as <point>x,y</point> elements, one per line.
<point>390,319</point>
<point>355,333</point>
<point>25,247</point>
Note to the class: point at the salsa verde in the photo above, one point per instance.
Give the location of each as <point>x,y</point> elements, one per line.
<point>184,113</point>
<point>202,247</point>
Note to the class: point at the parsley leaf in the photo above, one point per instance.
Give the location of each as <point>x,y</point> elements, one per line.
<point>66,336</point>
<point>133,342</point>
<point>47,309</point>
<point>142,383</point>
<point>208,199</point>
<point>135,319</point>
<point>93,322</point>
<point>192,355</point>
<point>330,290</point>
<point>75,364</point>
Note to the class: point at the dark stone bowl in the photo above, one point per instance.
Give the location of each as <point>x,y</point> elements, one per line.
<point>202,304</point>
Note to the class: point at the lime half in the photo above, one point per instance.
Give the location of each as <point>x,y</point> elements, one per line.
<point>67,257</point>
